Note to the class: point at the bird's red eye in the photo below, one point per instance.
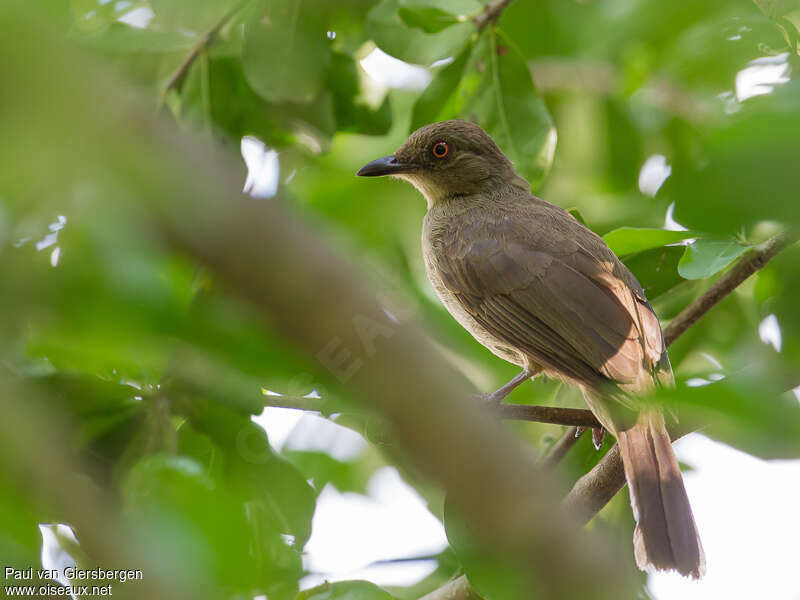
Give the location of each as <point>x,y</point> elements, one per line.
<point>440,149</point>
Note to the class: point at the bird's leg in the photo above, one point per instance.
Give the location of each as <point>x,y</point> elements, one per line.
<point>499,395</point>
<point>597,437</point>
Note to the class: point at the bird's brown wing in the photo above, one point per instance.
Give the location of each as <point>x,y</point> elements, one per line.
<point>544,288</point>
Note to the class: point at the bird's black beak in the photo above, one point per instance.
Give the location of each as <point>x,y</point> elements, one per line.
<point>388,165</point>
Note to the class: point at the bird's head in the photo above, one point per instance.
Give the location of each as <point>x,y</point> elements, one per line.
<point>446,160</point>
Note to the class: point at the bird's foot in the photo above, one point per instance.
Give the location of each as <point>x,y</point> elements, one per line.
<point>598,433</point>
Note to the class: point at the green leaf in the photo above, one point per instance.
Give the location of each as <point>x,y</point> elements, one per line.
<point>237,110</point>
<point>576,214</point>
<point>427,18</point>
<point>498,93</point>
<point>429,106</point>
<point>352,113</point>
<point>705,258</point>
<point>747,172</point>
<point>122,38</point>
<point>628,240</point>
<point>346,476</point>
<point>750,415</point>
<point>194,15</point>
<point>656,269</point>
<point>254,471</point>
<point>346,590</point>
<point>388,31</point>
<point>189,522</point>
<point>286,52</point>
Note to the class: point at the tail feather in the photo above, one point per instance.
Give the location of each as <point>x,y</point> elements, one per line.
<point>665,537</point>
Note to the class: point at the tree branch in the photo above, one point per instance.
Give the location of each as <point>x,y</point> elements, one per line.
<point>548,414</point>
<point>490,14</point>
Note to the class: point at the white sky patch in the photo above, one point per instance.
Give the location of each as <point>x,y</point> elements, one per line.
<point>761,75</point>
<point>393,72</point>
<point>50,239</point>
<point>54,557</point>
<point>263,168</point>
<point>351,531</point>
<point>312,432</point>
<point>670,223</point>
<point>769,330</point>
<point>746,512</point>
<point>796,392</point>
<point>139,17</point>
<point>654,173</point>
<point>299,430</point>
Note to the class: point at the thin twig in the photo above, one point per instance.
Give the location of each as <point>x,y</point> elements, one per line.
<point>753,261</point>
<point>203,43</point>
<point>490,14</point>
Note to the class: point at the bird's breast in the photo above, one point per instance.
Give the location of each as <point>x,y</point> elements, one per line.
<point>440,233</point>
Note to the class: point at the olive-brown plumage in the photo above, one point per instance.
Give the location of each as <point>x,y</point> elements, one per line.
<point>542,291</point>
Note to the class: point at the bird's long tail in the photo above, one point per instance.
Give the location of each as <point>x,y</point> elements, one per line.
<point>665,536</point>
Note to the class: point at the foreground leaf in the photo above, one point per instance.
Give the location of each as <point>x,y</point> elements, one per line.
<point>497,92</point>
<point>431,105</point>
<point>285,50</point>
<point>628,240</point>
<point>388,30</point>
<point>705,258</point>
<point>751,417</point>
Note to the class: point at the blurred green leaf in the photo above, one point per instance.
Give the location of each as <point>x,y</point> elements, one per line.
<point>388,31</point>
<point>237,110</point>
<point>254,471</point>
<point>122,38</point>
<point>656,269</point>
<point>577,215</point>
<point>345,476</point>
<point>625,144</point>
<point>629,240</point>
<point>430,106</point>
<point>429,19</point>
<point>285,50</point>
<point>489,575</point>
<point>748,172</point>
<point>190,523</point>
<point>705,258</point>
<point>195,15</point>
<point>752,417</point>
<point>346,590</point>
<point>352,113</point>
<point>498,93</point>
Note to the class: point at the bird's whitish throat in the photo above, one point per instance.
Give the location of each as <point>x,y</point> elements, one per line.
<point>542,291</point>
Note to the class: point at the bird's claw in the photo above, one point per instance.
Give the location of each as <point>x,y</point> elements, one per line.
<point>598,433</point>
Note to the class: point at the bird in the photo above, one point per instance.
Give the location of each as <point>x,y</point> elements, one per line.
<point>542,291</point>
